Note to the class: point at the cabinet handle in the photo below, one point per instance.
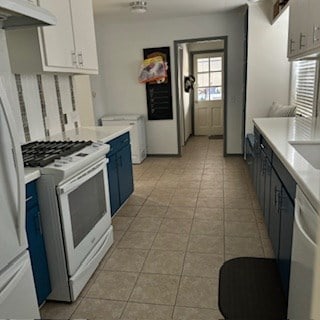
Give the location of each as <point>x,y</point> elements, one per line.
<point>292,42</point>
<point>38,223</point>
<point>315,31</point>
<point>74,58</point>
<point>264,167</point>
<point>262,146</point>
<point>302,36</point>
<point>80,59</point>
<point>276,196</point>
<point>281,197</point>
<point>269,167</point>
<point>29,198</point>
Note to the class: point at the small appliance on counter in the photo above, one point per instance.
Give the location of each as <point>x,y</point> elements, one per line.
<point>137,134</point>
<point>75,210</point>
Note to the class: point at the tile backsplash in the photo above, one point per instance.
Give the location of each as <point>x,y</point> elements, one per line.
<point>47,104</point>
<point>42,105</point>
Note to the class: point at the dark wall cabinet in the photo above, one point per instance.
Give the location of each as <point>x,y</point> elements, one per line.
<point>120,173</point>
<point>36,244</point>
<point>275,189</point>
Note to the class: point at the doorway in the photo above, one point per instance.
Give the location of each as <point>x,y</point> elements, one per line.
<point>202,110</point>
<point>208,70</point>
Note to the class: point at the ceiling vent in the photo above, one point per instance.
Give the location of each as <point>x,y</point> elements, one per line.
<point>138,6</point>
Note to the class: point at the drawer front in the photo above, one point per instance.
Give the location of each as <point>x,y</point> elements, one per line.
<point>286,178</point>
<point>31,195</point>
<point>266,148</point>
<point>118,143</point>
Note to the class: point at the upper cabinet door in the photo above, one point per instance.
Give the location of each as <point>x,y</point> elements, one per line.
<point>58,40</point>
<point>84,34</point>
<point>314,9</point>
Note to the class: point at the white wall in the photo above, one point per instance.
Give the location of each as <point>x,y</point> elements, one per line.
<point>268,66</point>
<point>120,46</point>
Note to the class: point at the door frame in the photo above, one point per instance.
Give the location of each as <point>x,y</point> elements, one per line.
<point>225,110</point>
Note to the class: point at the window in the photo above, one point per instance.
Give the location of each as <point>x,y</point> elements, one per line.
<point>304,87</point>
<point>209,79</point>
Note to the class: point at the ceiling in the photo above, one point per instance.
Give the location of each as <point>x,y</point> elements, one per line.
<point>165,8</point>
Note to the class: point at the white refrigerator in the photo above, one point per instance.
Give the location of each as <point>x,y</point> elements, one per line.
<point>17,290</point>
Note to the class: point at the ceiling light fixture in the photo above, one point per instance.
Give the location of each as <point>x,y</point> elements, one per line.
<point>138,6</point>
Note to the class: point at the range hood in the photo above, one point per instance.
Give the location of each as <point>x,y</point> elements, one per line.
<point>21,13</point>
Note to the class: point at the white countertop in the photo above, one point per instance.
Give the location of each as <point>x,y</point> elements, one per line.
<point>278,132</point>
<point>31,174</point>
<point>103,134</point>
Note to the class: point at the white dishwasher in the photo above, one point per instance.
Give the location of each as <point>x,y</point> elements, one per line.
<point>304,295</point>
<point>137,134</point>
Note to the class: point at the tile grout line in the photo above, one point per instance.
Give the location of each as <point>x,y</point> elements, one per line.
<point>184,260</point>
<point>139,274</point>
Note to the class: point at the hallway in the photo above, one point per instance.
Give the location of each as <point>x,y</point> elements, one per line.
<point>186,217</point>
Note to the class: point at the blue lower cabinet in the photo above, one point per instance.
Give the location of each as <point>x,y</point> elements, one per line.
<point>125,173</point>
<point>120,172</point>
<point>285,241</point>
<point>36,245</point>
<point>113,184</point>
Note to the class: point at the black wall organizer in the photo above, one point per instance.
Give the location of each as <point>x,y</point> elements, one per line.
<point>159,95</point>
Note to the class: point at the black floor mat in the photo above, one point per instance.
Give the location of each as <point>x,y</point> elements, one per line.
<point>250,289</point>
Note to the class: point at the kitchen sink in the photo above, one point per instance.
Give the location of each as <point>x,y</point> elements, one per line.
<point>310,150</point>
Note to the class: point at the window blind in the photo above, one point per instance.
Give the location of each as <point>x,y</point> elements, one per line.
<point>304,87</point>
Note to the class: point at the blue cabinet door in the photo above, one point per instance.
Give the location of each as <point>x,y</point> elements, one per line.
<point>267,200</point>
<point>274,217</point>
<point>262,179</point>
<point>285,241</point>
<point>125,173</point>
<point>113,184</point>
<point>38,254</point>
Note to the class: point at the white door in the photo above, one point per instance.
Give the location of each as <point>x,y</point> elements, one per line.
<point>209,94</point>
<point>17,291</point>
<point>59,48</point>
<point>84,34</point>
<point>12,187</point>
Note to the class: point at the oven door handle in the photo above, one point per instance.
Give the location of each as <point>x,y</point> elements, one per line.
<point>82,177</point>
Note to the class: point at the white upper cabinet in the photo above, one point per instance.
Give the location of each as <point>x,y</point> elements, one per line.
<point>85,41</point>
<point>69,47</point>
<point>58,43</point>
<point>304,28</point>
<point>315,22</point>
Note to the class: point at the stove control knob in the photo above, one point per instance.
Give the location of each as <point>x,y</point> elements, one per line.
<point>66,160</point>
<point>58,163</point>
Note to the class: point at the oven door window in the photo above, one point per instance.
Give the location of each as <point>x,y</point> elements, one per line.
<point>87,206</point>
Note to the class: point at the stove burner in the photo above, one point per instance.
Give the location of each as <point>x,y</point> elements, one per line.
<point>40,154</point>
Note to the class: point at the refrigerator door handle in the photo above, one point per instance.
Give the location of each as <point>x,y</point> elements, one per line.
<point>7,285</point>
<point>20,218</point>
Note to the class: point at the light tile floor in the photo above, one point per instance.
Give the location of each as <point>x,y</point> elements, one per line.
<point>186,217</point>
